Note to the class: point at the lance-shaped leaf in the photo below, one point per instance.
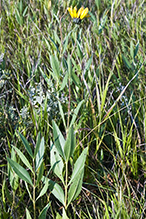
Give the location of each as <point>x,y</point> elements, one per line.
<point>88,63</point>
<point>56,162</point>
<point>13,177</point>
<point>23,158</point>
<point>44,211</point>
<point>40,154</point>
<point>28,216</point>
<point>55,67</point>
<point>127,63</point>
<point>44,189</point>
<point>8,194</point>
<point>65,43</point>
<point>64,83</point>
<point>76,79</point>
<point>26,145</point>
<point>79,165</point>
<point>55,189</point>
<point>136,49</point>
<point>76,113</point>
<point>58,216</point>
<point>58,139</point>
<point>37,144</point>
<point>40,173</point>
<point>69,144</point>
<point>62,114</point>
<point>64,216</point>
<point>28,191</point>
<point>75,187</point>
<point>20,171</point>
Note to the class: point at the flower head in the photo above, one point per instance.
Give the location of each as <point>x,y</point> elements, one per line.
<point>78,15</point>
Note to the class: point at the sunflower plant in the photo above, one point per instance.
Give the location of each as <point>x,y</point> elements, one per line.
<point>79,15</point>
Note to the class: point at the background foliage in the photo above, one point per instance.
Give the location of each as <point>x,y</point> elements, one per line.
<point>91,76</point>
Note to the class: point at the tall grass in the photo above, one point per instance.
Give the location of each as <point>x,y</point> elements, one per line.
<point>90,76</point>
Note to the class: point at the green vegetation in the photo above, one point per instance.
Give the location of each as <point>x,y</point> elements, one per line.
<point>72,110</point>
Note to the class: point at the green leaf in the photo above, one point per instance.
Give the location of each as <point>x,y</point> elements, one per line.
<point>64,83</point>
<point>18,17</point>
<point>8,194</point>
<point>26,144</point>
<point>45,76</point>
<point>56,37</point>
<point>102,22</point>
<point>93,18</point>
<point>20,6</point>
<point>58,216</point>
<point>75,187</point>
<point>28,216</point>
<point>76,66</point>
<point>58,139</point>
<point>76,112</point>
<point>136,49</point>
<point>127,63</point>
<point>40,174</point>
<point>56,162</point>
<point>13,177</point>
<point>37,144</point>
<point>79,51</point>
<point>88,63</point>
<point>3,197</point>
<point>65,44</point>
<point>20,171</point>
<point>69,144</point>
<point>44,211</point>
<point>55,67</point>
<point>64,216</point>
<point>44,189</point>
<point>28,191</point>
<point>48,43</point>
<point>40,155</point>
<point>77,177</point>
<point>79,165</point>
<point>55,189</point>
<point>23,158</point>
<point>24,12</point>
<point>131,49</point>
<point>62,114</point>
<point>98,3</point>
<point>76,79</point>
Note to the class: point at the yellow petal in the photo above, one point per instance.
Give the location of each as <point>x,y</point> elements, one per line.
<point>70,10</point>
<point>88,15</point>
<point>80,12</point>
<point>84,13</point>
<point>49,4</point>
<point>75,12</point>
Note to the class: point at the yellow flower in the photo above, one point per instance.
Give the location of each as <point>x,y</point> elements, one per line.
<point>78,15</point>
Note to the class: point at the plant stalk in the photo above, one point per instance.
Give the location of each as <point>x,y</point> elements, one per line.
<point>66,182</point>
<point>69,99</point>
<point>34,207</point>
